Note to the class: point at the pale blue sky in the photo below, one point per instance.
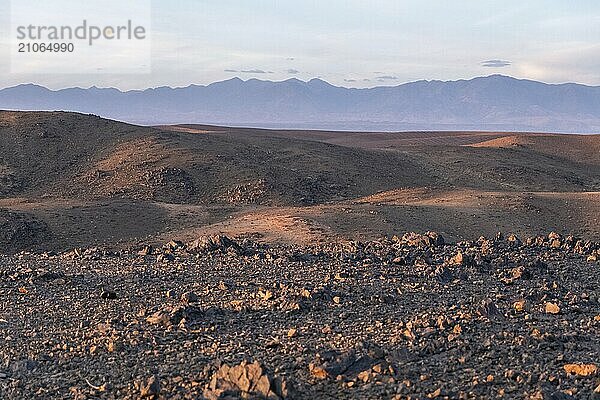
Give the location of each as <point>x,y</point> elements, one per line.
<point>360,43</point>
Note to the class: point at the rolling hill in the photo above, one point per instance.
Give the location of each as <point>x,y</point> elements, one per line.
<point>69,180</point>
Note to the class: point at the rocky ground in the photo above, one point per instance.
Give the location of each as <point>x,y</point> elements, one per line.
<point>407,317</point>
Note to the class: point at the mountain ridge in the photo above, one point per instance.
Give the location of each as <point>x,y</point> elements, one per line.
<point>238,79</point>
<point>494,102</point>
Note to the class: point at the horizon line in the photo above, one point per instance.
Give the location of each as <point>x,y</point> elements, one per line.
<point>237,78</point>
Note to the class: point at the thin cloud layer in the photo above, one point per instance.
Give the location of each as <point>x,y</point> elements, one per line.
<point>255,71</point>
<point>496,63</point>
<point>385,78</point>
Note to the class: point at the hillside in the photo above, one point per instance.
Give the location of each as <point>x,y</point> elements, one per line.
<point>70,180</point>
<point>493,103</point>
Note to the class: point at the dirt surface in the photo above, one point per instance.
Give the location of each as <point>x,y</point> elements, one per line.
<point>400,318</point>
<point>299,297</point>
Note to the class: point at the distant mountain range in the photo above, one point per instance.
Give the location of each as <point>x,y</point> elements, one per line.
<point>487,103</point>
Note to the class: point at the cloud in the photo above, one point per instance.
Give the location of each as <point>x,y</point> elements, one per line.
<point>293,71</point>
<point>231,70</point>
<point>495,63</point>
<point>255,71</point>
<point>384,78</point>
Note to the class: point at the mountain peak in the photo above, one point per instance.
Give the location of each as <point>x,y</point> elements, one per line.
<point>495,102</point>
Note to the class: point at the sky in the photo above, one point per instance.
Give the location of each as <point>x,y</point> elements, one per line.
<point>350,43</point>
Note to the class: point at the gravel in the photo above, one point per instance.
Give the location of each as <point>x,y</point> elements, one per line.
<point>406,317</point>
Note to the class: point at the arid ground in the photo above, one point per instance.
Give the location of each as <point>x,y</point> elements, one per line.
<point>198,262</point>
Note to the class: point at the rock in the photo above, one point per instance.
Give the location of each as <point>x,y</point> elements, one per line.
<point>461,259</point>
<point>293,332</point>
<point>108,295</point>
<point>514,274</point>
<point>165,257</point>
<point>146,251</point>
<point>332,364</point>
<point>317,370</point>
<point>520,272</point>
<point>520,305</point>
<point>224,285</point>
<point>265,294</point>
<point>443,274</point>
<point>246,381</point>
<point>581,369</point>
<point>23,366</point>
<point>552,308</point>
<point>399,261</point>
<point>427,240</point>
<point>220,243</point>
<point>488,309</point>
<point>150,388</point>
<point>514,241</point>
<point>189,297</point>
<point>175,245</point>
<point>425,335</point>
<point>182,315</point>
<point>436,238</point>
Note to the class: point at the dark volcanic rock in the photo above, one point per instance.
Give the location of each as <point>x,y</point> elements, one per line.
<point>391,319</point>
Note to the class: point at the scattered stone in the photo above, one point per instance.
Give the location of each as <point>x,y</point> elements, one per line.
<point>175,245</point>
<point>265,294</point>
<point>552,308</point>
<point>581,369</point>
<point>441,329</point>
<point>293,332</point>
<point>220,243</point>
<point>488,309</point>
<point>150,389</point>
<point>461,259</point>
<point>443,274</point>
<point>429,239</point>
<point>108,295</point>
<point>146,251</point>
<point>349,365</point>
<point>189,297</point>
<point>165,257</point>
<point>520,305</point>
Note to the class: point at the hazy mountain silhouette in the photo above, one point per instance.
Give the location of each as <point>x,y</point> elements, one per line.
<point>488,103</point>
